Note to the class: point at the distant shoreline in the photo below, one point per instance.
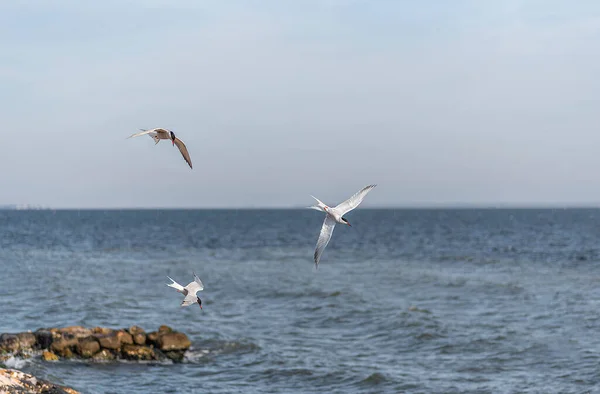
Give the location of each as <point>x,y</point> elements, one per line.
<point>383,208</point>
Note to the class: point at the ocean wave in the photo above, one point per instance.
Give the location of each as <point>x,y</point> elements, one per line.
<point>375,379</point>
<point>273,373</point>
<point>16,362</point>
<point>216,347</point>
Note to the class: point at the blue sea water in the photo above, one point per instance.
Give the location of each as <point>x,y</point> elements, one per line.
<point>415,301</point>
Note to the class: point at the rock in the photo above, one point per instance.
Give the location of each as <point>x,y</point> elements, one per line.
<point>173,341</point>
<point>76,331</point>
<point>104,355</point>
<point>110,341</point>
<point>43,339</point>
<point>12,381</point>
<point>114,340</point>
<point>136,352</point>
<point>138,334</point>
<point>102,330</point>
<point>49,356</point>
<point>9,343</point>
<point>139,339</point>
<point>24,354</point>
<point>63,346</point>
<point>67,353</point>
<point>26,340</point>
<point>175,355</point>
<point>125,337</point>
<point>164,329</point>
<point>152,338</point>
<point>87,347</point>
<point>136,330</point>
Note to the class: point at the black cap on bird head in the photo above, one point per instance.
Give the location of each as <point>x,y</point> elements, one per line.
<point>199,302</point>
<point>172,137</point>
<point>346,221</point>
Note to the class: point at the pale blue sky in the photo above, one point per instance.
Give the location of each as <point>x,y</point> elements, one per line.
<point>438,102</point>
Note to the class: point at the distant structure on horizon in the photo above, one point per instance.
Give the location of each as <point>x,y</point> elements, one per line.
<point>23,207</point>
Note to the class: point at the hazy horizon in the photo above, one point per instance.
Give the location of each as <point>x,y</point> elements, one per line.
<point>10,207</point>
<point>440,104</point>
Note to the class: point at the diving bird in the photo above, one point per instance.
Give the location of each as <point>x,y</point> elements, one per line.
<point>189,291</point>
<point>335,215</point>
<point>164,134</point>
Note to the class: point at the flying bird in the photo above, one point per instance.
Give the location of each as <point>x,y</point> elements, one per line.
<point>164,134</point>
<point>189,291</point>
<point>335,215</point>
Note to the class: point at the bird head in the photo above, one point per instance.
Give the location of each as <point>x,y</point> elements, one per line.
<point>200,302</point>
<point>346,221</point>
<point>172,137</point>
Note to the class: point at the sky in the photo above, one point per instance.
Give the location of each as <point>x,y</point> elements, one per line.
<point>439,103</point>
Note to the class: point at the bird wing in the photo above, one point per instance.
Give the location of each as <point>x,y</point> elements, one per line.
<point>151,131</point>
<point>353,201</point>
<point>184,151</point>
<point>175,285</point>
<point>324,237</point>
<point>194,287</point>
<point>197,280</point>
<point>189,299</point>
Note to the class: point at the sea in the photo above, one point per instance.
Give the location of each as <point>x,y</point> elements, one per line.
<point>404,301</point>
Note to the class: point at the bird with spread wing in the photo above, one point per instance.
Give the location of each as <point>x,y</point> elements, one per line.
<point>164,134</point>
<point>335,215</point>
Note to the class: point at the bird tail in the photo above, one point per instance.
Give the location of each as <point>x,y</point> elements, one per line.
<point>319,206</point>
<point>175,285</point>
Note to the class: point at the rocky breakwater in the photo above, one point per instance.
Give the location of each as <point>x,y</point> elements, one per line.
<point>96,344</point>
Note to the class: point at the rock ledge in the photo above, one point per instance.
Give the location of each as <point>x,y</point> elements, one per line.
<point>17,382</point>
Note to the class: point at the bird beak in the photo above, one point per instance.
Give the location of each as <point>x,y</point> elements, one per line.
<point>348,223</point>
<point>173,141</point>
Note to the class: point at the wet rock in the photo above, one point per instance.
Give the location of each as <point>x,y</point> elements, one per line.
<point>9,343</point>
<point>136,330</point>
<point>164,330</point>
<point>137,352</point>
<point>43,339</point>
<point>104,355</point>
<point>67,353</point>
<point>26,340</point>
<point>139,339</point>
<point>75,332</point>
<point>138,334</point>
<point>87,347</point>
<point>176,355</point>
<point>152,338</point>
<point>49,356</point>
<point>102,330</point>
<point>124,337</point>
<point>24,354</point>
<point>63,346</point>
<point>17,382</point>
<point>114,340</point>
<point>109,341</point>
<point>173,341</point>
